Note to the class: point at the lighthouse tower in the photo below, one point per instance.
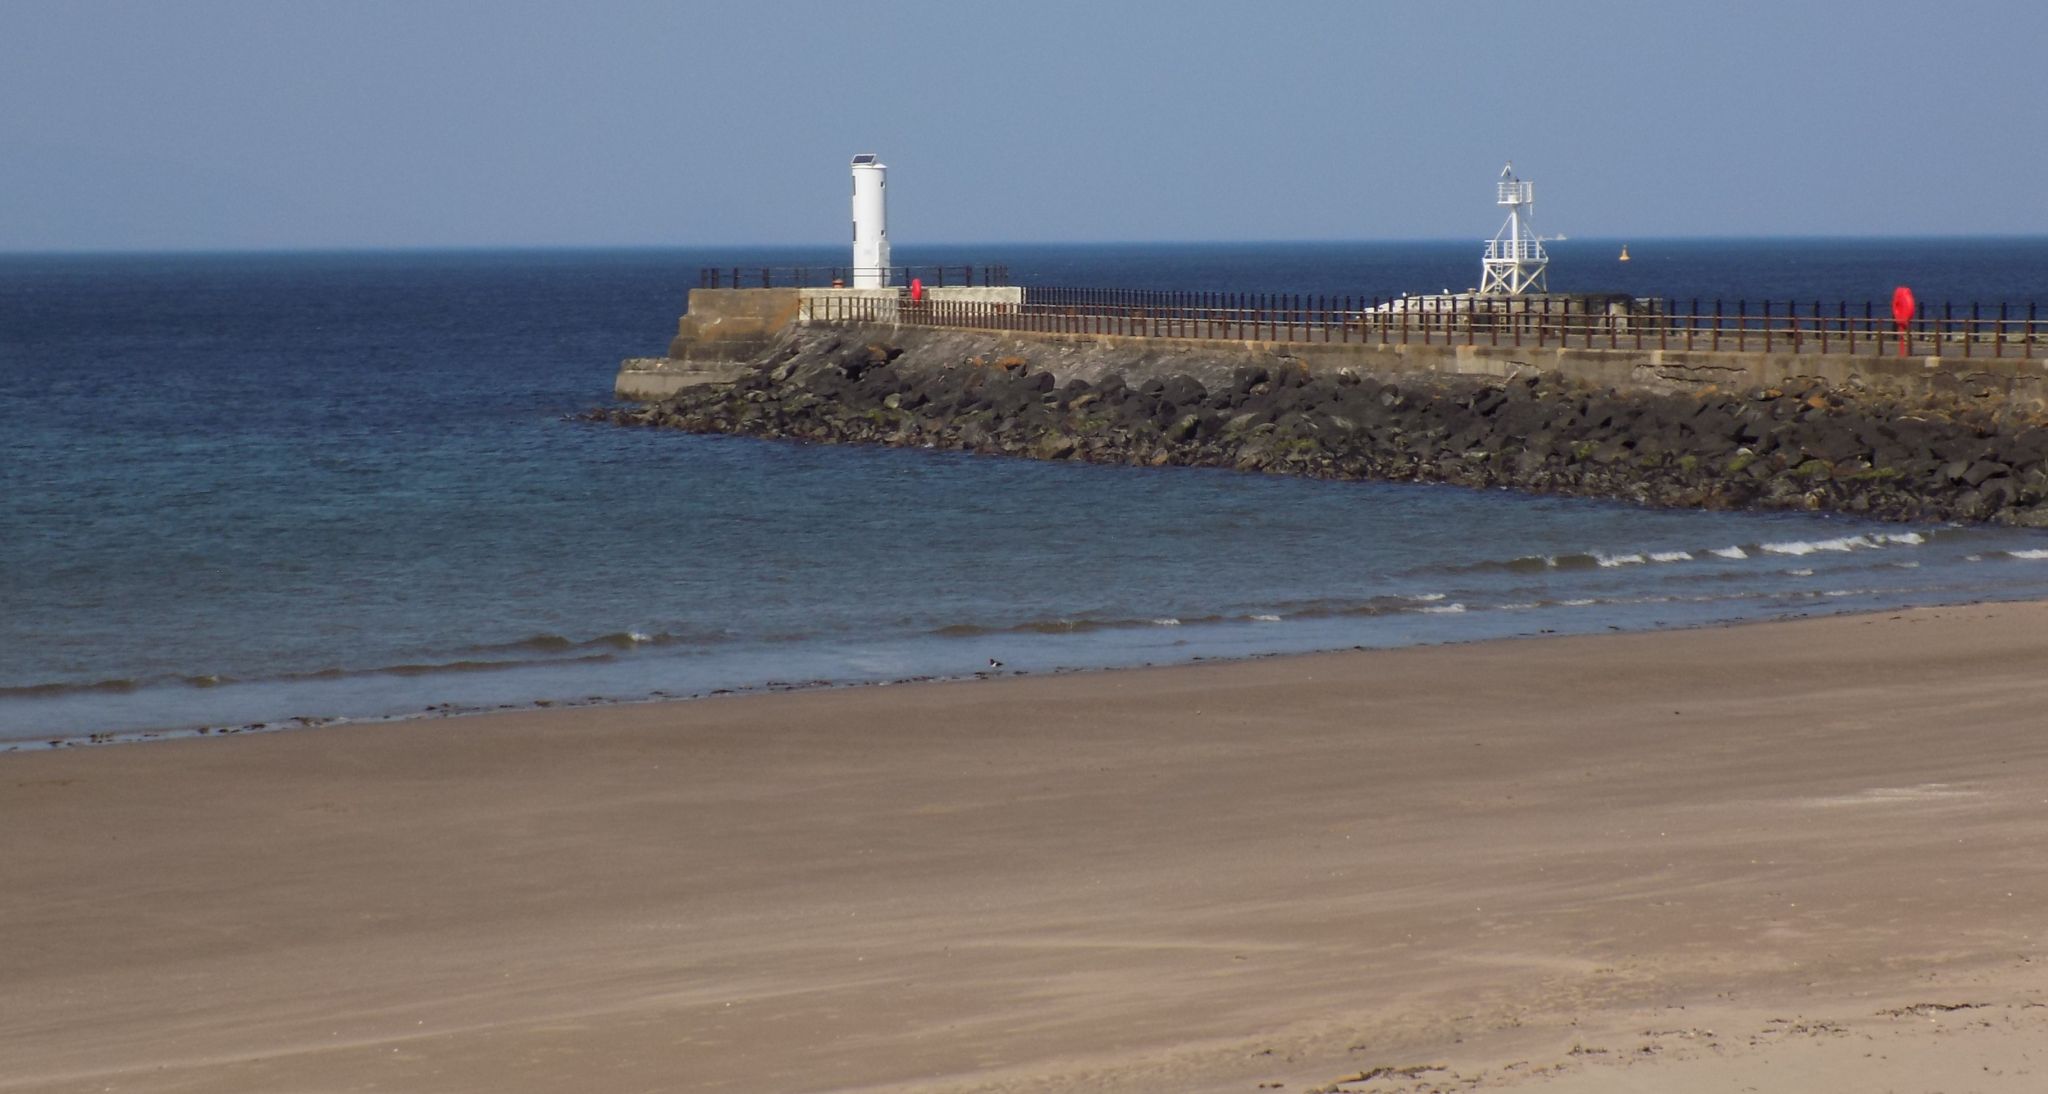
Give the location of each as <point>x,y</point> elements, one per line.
<point>1515,260</point>
<point>870,222</point>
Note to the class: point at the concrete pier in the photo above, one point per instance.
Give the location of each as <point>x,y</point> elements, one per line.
<point>1620,347</point>
<point>726,330</point>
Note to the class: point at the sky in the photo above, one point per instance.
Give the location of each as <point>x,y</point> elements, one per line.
<point>277,125</point>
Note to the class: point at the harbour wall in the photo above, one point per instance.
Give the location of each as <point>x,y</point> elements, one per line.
<point>725,330</point>
<point>1925,437</point>
<point>1918,440</point>
<point>2014,384</point>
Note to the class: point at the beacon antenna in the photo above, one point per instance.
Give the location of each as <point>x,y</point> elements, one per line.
<point>870,222</point>
<point>1515,261</point>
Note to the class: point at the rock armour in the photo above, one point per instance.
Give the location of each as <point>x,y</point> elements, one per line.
<point>1952,456</point>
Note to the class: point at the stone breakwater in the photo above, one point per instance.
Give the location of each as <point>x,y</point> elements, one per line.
<point>1944,455</point>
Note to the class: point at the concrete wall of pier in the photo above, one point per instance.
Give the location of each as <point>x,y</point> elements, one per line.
<point>2021,383</point>
<point>726,330</point>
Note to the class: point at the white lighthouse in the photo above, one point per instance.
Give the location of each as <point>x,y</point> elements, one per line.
<point>870,222</point>
<point>1515,260</point>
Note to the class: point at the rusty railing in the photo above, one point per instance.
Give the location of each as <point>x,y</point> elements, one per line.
<point>1974,330</point>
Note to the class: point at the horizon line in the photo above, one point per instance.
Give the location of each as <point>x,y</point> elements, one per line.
<point>587,248</point>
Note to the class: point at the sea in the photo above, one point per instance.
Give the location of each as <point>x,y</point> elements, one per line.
<point>257,491</point>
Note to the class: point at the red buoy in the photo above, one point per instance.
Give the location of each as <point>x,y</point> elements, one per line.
<point>917,289</point>
<point>1903,309</point>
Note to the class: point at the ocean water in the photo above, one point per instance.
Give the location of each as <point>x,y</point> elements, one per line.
<point>244,490</point>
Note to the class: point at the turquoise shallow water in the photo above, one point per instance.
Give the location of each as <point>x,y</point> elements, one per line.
<point>244,489</point>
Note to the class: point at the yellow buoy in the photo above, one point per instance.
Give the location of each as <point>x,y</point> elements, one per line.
<point>1624,252</point>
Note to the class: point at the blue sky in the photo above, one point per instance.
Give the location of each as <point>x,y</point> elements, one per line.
<point>209,125</point>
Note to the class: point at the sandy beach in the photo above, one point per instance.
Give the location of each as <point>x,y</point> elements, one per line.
<point>1805,855</point>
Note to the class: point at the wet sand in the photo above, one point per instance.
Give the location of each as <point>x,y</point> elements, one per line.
<point>1789,856</point>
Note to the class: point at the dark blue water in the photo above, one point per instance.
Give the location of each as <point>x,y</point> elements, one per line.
<point>242,489</point>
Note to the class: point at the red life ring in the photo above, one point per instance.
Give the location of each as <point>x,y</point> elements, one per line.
<point>1903,309</point>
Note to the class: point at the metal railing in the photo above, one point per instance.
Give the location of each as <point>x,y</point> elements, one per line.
<point>1973,330</point>
<point>1526,250</point>
<point>783,277</point>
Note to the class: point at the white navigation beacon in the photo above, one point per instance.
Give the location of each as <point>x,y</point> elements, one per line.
<point>870,222</point>
<point>1515,260</point>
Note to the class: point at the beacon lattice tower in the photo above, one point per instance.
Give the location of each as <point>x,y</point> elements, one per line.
<point>870,222</point>
<point>1515,260</point>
